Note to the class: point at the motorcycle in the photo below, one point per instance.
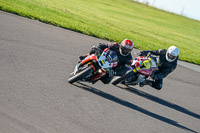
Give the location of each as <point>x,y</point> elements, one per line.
<point>137,73</point>
<point>93,67</point>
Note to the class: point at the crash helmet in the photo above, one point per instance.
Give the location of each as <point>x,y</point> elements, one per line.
<point>126,47</point>
<point>172,53</point>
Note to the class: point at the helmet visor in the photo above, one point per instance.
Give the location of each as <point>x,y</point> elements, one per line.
<point>170,56</point>
<point>125,51</point>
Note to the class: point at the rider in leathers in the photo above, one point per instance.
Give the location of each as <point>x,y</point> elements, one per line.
<point>123,51</point>
<point>166,61</point>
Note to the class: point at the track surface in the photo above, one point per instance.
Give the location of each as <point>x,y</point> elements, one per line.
<point>35,97</point>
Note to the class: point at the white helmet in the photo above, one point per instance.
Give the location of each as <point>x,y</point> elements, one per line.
<point>172,53</point>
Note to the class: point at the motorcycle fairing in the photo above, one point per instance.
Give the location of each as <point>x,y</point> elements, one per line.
<point>101,72</point>
<point>89,58</point>
<point>146,72</point>
<point>137,62</point>
<point>103,60</point>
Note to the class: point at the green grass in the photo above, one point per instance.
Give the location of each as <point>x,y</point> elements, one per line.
<point>115,20</point>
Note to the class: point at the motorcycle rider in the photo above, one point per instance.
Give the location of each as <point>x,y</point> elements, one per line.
<point>123,51</point>
<point>166,61</point>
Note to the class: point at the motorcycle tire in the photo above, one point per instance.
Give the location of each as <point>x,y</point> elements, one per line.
<point>118,80</point>
<point>80,75</point>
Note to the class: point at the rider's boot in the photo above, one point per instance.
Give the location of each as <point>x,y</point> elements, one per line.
<point>83,56</point>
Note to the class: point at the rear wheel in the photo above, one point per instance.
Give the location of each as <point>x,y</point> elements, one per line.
<point>80,75</point>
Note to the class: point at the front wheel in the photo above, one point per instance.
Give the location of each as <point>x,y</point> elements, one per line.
<point>80,75</point>
<point>118,80</point>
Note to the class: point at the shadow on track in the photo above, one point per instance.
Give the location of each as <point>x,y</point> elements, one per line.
<point>161,101</point>
<point>131,106</point>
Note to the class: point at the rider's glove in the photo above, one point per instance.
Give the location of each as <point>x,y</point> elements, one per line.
<point>141,53</point>
<point>95,47</point>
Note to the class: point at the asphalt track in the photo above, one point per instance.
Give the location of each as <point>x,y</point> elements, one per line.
<point>35,97</point>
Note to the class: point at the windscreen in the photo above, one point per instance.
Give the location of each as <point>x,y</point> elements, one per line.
<point>112,57</point>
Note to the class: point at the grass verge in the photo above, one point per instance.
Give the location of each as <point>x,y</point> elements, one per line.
<point>115,20</point>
